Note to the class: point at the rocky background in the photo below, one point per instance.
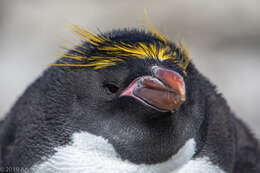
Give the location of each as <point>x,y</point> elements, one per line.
<point>223,37</point>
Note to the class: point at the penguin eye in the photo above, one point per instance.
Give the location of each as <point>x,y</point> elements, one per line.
<point>111,88</point>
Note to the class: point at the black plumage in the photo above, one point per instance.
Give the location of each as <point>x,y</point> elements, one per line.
<point>66,99</point>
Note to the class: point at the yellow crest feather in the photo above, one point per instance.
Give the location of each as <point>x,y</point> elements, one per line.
<point>113,52</point>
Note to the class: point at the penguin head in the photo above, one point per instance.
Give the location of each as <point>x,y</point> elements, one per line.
<point>133,88</point>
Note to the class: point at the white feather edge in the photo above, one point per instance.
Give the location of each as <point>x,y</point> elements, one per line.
<point>93,154</point>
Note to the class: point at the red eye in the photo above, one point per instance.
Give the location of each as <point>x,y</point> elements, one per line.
<point>112,88</point>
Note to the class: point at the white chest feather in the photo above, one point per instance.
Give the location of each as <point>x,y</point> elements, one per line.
<point>92,154</point>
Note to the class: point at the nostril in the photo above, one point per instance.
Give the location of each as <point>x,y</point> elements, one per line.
<point>154,69</point>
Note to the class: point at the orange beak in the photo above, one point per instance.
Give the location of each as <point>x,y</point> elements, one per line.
<point>163,91</point>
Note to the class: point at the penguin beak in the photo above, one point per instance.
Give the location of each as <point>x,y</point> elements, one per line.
<point>163,91</point>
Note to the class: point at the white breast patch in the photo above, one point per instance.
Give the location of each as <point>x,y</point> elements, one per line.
<point>93,154</point>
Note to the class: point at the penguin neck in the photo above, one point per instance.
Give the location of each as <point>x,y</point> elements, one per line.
<point>96,154</point>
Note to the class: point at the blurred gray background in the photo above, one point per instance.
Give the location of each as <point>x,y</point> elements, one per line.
<point>223,37</point>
